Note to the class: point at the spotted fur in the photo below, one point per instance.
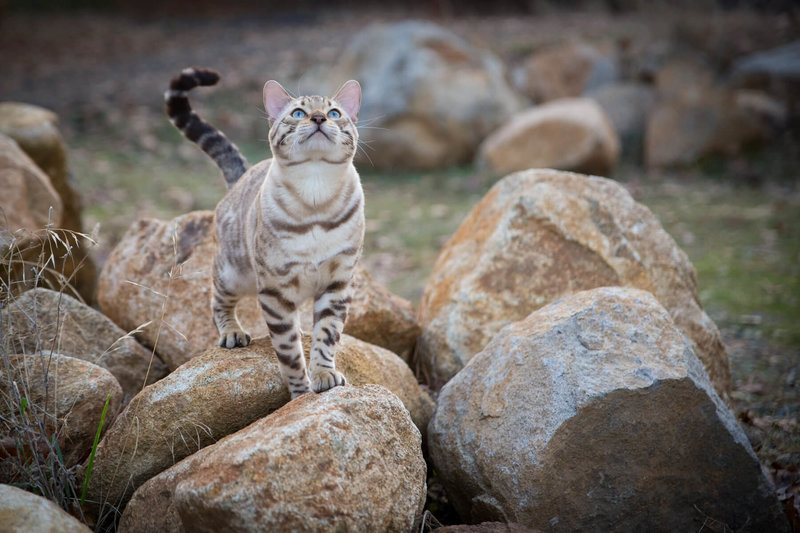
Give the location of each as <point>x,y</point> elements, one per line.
<point>224,153</point>
<point>292,228</point>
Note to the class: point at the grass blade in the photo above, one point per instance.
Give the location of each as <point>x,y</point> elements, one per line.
<point>94,449</point>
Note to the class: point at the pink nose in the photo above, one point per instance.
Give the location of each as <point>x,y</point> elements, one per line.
<point>319,118</point>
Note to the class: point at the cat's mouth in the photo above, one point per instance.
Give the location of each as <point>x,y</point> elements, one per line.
<point>313,133</point>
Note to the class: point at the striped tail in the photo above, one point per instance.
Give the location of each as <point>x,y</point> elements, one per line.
<point>224,153</point>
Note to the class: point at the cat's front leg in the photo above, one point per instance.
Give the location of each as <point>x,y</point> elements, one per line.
<point>330,313</point>
<point>223,309</point>
<point>284,329</point>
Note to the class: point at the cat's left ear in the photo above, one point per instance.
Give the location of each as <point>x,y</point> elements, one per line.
<point>275,99</point>
<point>349,97</point>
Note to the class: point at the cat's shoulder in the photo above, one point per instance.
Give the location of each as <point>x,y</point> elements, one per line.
<point>246,187</point>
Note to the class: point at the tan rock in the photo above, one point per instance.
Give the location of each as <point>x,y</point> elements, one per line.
<point>538,236</point>
<point>44,320</point>
<point>67,393</point>
<point>363,363</point>
<point>29,200</point>
<point>593,413</point>
<point>346,460</point>
<point>567,134</point>
<point>35,130</point>
<point>216,394</point>
<point>136,287</point>
<point>429,96</point>
<point>24,512</point>
<point>565,70</point>
<point>694,118</point>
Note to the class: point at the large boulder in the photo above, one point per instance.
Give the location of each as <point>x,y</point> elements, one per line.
<point>216,394</point>
<point>593,413</point>
<point>35,130</point>
<point>566,134</point>
<point>29,199</point>
<point>349,459</point>
<point>24,512</point>
<point>537,236</point>
<point>160,274</point>
<point>565,70</point>
<point>41,319</point>
<point>429,96</point>
<point>66,394</point>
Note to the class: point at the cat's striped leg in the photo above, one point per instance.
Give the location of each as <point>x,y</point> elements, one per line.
<point>284,330</point>
<point>330,313</point>
<point>223,309</point>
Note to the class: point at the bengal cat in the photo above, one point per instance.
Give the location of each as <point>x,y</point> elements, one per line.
<point>291,227</point>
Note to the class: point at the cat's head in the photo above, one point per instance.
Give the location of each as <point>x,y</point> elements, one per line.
<point>312,128</point>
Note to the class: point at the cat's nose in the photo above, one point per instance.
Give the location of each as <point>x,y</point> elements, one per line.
<point>319,118</point>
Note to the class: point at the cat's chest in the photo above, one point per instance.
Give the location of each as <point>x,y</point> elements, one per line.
<point>320,240</point>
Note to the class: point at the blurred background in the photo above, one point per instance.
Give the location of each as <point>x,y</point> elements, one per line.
<point>693,105</point>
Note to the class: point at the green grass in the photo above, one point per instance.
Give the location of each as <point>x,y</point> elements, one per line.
<point>410,216</point>
<point>745,246</point>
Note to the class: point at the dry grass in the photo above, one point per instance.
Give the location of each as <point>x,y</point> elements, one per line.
<point>30,454</point>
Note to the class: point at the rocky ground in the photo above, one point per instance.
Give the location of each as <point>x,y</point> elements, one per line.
<point>103,75</point>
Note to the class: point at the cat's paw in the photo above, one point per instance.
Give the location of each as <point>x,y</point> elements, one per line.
<point>324,379</point>
<point>234,338</point>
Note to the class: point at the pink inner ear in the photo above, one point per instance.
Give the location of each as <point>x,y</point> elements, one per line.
<point>349,97</point>
<point>275,99</point>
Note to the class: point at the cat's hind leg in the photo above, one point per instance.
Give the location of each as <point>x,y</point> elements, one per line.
<point>223,308</point>
<point>283,323</point>
<point>330,313</point>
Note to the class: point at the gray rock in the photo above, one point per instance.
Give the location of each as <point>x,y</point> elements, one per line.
<point>775,71</point>
<point>627,106</point>
<point>593,414</point>
<point>783,62</point>
<point>429,97</point>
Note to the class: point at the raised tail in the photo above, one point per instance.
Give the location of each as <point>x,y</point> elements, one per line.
<point>212,141</point>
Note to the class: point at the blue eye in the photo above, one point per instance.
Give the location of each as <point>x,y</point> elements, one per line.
<point>298,113</point>
<point>334,113</point>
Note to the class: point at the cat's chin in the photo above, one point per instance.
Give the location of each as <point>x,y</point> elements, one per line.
<point>321,149</point>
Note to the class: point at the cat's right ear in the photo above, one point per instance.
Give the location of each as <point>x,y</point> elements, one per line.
<point>275,99</point>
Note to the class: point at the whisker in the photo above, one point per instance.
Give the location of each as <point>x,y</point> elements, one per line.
<point>367,156</point>
<point>371,120</point>
<point>373,128</point>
